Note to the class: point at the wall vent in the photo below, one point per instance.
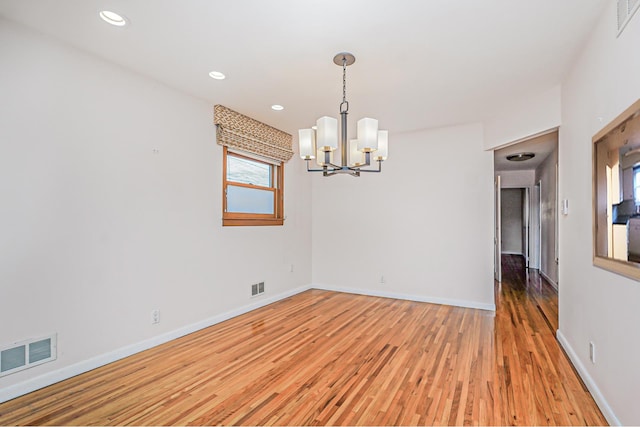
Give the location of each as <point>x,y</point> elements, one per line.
<point>257,289</point>
<point>626,9</point>
<point>26,354</point>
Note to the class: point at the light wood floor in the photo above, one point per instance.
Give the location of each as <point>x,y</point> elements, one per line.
<point>325,358</point>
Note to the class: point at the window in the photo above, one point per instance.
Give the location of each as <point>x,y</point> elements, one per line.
<point>615,248</point>
<point>252,191</point>
<point>253,160</point>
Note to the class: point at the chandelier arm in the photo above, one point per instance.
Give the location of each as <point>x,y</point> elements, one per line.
<point>335,169</point>
<point>313,170</point>
<point>373,170</point>
<point>367,162</point>
<point>367,159</point>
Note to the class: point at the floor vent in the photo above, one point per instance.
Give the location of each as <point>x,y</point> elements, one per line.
<point>257,289</point>
<point>26,354</point>
<point>626,9</point>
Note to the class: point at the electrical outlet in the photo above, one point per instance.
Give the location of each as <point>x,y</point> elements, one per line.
<point>382,279</point>
<point>155,316</point>
<point>291,270</point>
<point>592,352</point>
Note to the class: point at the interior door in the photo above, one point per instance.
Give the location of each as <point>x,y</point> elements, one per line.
<point>534,227</point>
<point>497,239</point>
<point>525,225</point>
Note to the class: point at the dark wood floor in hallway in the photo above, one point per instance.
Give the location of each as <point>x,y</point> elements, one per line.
<point>327,358</point>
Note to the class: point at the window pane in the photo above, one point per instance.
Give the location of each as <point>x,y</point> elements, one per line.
<point>248,171</point>
<point>249,200</point>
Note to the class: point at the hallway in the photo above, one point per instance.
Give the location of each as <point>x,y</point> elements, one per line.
<point>520,284</point>
<point>531,364</point>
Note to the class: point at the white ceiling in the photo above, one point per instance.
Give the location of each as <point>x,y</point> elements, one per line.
<point>541,146</point>
<point>419,63</point>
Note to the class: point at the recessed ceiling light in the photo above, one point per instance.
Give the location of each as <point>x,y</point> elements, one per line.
<point>277,107</point>
<point>217,75</point>
<point>113,18</point>
<point>520,157</point>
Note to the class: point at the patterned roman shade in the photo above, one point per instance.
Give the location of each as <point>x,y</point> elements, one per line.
<point>237,131</point>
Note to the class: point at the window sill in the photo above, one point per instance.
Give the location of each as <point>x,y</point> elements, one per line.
<point>233,222</point>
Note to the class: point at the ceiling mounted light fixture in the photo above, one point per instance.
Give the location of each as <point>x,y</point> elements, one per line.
<point>356,154</point>
<point>520,157</point>
<point>277,107</point>
<point>217,75</point>
<point>113,18</point>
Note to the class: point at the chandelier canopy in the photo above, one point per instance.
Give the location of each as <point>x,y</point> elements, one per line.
<point>321,141</point>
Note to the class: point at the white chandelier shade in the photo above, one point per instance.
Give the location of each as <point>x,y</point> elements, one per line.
<point>307,141</point>
<point>327,133</point>
<point>367,135</point>
<point>356,158</point>
<point>383,145</point>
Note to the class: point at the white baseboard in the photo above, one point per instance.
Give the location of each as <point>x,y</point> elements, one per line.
<point>511,253</point>
<point>548,279</point>
<point>13,391</point>
<point>591,385</point>
<point>417,298</point>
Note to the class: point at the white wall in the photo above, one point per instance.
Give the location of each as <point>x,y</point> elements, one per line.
<point>425,223</point>
<point>546,174</point>
<point>97,230</point>
<point>524,118</point>
<point>517,179</point>
<point>596,305</point>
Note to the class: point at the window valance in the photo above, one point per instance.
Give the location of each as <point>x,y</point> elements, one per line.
<point>237,131</point>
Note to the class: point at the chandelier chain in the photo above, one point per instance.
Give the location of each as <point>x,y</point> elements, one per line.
<point>344,80</point>
<point>344,103</point>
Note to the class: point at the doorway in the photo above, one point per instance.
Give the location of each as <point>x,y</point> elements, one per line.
<point>526,208</point>
<point>515,218</point>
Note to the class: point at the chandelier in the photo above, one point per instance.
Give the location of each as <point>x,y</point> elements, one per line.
<point>321,141</point>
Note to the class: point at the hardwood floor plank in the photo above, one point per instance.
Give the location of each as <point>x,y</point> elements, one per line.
<point>326,358</point>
